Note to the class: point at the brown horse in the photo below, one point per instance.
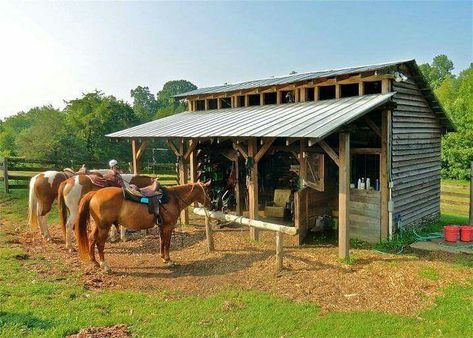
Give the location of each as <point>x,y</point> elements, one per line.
<point>108,206</point>
<point>71,192</point>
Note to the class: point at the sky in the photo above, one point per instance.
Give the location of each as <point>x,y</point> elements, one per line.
<point>55,51</point>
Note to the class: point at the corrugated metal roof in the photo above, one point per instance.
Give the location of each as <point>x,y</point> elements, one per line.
<point>289,79</point>
<point>294,120</point>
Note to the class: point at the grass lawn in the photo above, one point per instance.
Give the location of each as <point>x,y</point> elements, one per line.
<point>33,304</point>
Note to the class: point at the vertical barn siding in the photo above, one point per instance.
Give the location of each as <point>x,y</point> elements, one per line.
<point>416,146</point>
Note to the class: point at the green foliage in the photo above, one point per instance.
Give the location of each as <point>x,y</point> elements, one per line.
<point>77,133</point>
<point>456,96</point>
<point>144,103</point>
<point>165,97</point>
<point>440,69</point>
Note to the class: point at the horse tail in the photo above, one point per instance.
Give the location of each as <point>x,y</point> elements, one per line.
<point>61,204</point>
<point>33,204</point>
<point>81,222</point>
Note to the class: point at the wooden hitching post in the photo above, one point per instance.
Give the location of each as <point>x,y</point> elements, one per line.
<point>344,195</point>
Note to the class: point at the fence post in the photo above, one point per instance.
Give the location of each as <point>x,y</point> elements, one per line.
<point>5,174</point>
<point>471,193</point>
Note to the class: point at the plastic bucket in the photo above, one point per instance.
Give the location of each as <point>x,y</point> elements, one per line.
<point>451,233</point>
<point>466,233</point>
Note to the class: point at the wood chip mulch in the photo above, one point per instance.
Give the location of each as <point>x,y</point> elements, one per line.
<point>374,282</point>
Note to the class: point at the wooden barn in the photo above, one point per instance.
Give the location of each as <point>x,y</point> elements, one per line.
<point>358,146</point>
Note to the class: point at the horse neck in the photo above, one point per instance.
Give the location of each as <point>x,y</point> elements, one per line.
<point>186,194</point>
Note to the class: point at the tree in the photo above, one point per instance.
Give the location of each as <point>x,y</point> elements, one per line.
<point>165,96</point>
<point>144,103</point>
<point>439,70</point>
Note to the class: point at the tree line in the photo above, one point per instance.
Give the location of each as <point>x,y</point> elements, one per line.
<point>78,131</point>
<point>76,134</point>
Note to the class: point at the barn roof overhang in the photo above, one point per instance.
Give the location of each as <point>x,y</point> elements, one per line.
<point>314,120</point>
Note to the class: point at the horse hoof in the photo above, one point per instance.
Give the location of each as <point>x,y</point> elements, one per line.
<point>48,238</point>
<point>170,264</point>
<point>105,267</point>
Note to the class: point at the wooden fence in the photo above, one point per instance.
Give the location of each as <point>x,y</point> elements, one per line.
<point>16,172</point>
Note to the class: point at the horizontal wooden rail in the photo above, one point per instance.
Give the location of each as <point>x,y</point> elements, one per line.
<point>279,229</point>
<point>246,221</point>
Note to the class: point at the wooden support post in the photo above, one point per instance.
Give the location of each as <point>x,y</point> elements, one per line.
<point>189,105</point>
<point>206,104</point>
<point>297,94</point>
<point>278,97</point>
<point>303,97</point>
<point>279,250</point>
<point>237,187</point>
<point>302,173</point>
<point>209,235</point>
<point>5,174</point>
<point>316,93</point>
<point>471,194</point>
<point>247,100</point>
<point>385,86</point>
<point>344,195</point>
<point>261,99</point>
<point>135,160</point>
<point>361,88</point>
<point>182,165</point>
<point>338,91</point>
<point>383,177</point>
<point>253,187</point>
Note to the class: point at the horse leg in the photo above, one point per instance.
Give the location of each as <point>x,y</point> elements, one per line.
<point>69,228</point>
<point>167,244</point>
<point>161,242</point>
<point>122,233</point>
<point>92,242</point>
<point>43,222</point>
<point>113,233</point>
<point>101,239</point>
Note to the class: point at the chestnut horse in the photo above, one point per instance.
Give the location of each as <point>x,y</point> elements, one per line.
<point>71,192</point>
<point>108,206</point>
<point>42,193</point>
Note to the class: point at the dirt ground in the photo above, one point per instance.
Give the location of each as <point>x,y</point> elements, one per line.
<point>374,281</point>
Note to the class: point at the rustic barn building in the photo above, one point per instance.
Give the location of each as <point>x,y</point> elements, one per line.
<point>304,142</point>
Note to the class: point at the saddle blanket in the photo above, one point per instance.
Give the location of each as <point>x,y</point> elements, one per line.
<point>153,202</point>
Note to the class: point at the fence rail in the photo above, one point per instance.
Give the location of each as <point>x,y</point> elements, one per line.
<point>15,172</point>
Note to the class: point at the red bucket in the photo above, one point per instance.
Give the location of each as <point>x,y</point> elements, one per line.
<point>466,233</point>
<point>451,233</point>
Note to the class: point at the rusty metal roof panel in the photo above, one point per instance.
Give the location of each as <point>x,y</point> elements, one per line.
<point>290,79</point>
<point>293,120</point>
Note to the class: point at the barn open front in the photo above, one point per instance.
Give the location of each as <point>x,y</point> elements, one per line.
<point>356,150</point>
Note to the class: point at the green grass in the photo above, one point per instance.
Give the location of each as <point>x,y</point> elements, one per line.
<point>47,306</point>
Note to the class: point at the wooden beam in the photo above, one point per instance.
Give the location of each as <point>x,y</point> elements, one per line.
<point>385,86</point>
<point>261,225</point>
<point>267,144</point>
<point>182,166</point>
<point>330,152</point>
<point>135,160</point>
<point>190,149</point>
<point>361,88</point>
<point>238,208</point>
<point>253,187</point>
<point>302,170</point>
<point>173,147</point>
<point>373,126</point>
<point>344,196</point>
<point>338,91</point>
<point>239,148</point>
<point>141,150</point>
<point>279,251</point>
<point>383,177</point>
<point>209,235</point>
<point>290,141</point>
<point>366,151</point>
